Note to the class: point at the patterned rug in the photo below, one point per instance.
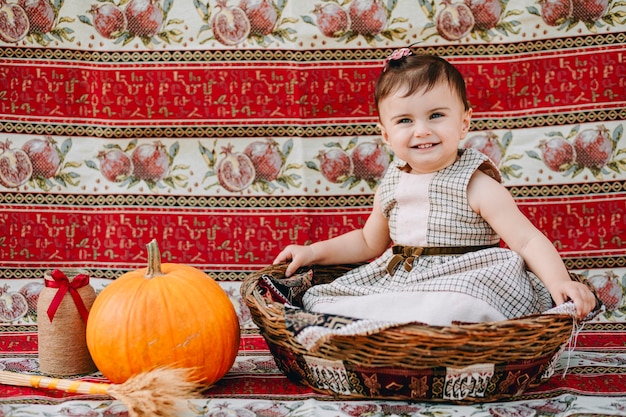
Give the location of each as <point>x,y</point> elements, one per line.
<point>590,380</point>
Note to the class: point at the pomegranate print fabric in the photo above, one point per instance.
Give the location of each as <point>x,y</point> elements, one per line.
<point>227,129</point>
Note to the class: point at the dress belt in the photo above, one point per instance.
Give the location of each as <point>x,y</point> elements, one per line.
<point>409,253</point>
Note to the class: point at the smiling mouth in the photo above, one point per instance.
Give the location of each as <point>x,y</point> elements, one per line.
<point>425,146</point>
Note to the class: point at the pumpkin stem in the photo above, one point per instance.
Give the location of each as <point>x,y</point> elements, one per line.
<point>154,260</point>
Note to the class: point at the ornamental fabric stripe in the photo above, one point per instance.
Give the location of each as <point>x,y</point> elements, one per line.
<point>228,129</point>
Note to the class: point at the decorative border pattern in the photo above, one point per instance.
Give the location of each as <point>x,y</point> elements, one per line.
<point>319,131</point>
<point>278,202</point>
<point>253,55</point>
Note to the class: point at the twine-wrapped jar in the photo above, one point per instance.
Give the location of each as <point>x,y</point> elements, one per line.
<point>62,310</point>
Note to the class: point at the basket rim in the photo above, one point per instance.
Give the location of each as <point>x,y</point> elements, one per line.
<point>271,314</point>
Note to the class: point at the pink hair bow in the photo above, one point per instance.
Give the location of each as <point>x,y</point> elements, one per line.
<point>395,55</point>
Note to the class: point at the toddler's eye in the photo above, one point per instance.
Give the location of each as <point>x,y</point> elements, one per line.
<point>436,115</point>
<point>405,120</point>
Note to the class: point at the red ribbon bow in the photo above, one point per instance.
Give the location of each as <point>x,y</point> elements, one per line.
<point>64,285</point>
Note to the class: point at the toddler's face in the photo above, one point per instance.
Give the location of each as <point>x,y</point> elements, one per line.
<point>424,129</point>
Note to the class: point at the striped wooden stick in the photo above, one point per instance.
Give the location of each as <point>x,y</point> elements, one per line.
<point>150,393</point>
<point>67,385</point>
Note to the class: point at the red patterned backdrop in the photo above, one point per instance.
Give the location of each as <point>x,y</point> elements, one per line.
<point>227,129</point>
<point>144,119</point>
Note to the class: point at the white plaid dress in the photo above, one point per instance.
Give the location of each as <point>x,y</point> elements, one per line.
<point>496,276</point>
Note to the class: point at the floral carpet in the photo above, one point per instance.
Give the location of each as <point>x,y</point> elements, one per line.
<point>589,380</point>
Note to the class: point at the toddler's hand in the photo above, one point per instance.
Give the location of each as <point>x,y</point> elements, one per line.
<point>298,255</point>
<point>583,298</point>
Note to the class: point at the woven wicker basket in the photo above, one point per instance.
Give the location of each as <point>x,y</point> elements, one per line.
<point>461,363</point>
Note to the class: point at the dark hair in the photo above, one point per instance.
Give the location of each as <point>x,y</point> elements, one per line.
<point>418,71</point>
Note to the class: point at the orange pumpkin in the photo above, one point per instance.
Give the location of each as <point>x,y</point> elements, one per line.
<point>165,315</point>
